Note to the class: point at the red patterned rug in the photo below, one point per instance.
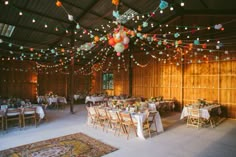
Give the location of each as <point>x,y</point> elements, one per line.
<point>74,145</point>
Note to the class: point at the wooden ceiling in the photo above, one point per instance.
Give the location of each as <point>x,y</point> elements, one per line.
<point>44,33</point>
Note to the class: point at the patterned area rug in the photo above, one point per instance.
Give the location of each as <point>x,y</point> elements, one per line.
<point>74,145</point>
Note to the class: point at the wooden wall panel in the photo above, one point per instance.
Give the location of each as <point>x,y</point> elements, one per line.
<point>18,79</point>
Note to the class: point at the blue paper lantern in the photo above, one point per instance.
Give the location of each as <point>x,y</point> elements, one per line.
<point>196,42</point>
<point>145,24</point>
<point>163,5</point>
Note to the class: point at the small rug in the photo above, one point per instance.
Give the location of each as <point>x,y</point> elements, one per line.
<point>74,145</point>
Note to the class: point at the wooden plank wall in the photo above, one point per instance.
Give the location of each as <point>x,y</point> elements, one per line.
<point>214,81</point>
<point>58,83</point>
<point>18,79</point>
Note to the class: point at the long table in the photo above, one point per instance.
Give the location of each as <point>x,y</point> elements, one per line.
<point>204,112</point>
<point>94,99</point>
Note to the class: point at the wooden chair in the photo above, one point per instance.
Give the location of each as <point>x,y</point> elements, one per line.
<point>194,118</point>
<point>13,115</point>
<point>102,117</point>
<point>128,123</point>
<point>2,119</point>
<point>149,122</point>
<point>29,114</point>
<point>114,121</point>
<point>92,115</point>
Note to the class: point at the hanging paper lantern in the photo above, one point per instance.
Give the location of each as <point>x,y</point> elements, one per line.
<point>218,26</point>
<point>163,5</point>
<point>115,2</point>
<point>139,28</point>
<point>180,42</point>
<point>96,38</point>
<point>58,4</point>
<point>70,17</point>
<point>160,42</point>
<point>176,35</point>
<point>111,42</point>
<point>132,33</point>
<point>119,47</point>
<point>77,26</point>
<point>117,38</point>
<point>116,14</point>
<point>125,40</point>
<point>196,42</point>
<point>126,46</point>
<point>204,46</point>
<point>145,24</point>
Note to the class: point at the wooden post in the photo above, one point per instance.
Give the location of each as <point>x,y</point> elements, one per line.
<point>71,74</point>
<point>130,76</point>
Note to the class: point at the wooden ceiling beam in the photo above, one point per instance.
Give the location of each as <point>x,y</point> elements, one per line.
<point>211,12</point>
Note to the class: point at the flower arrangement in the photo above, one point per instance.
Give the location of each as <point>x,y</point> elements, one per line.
<point>51,94</point>
<point>202,101</point>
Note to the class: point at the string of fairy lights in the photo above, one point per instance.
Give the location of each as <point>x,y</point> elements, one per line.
<point>187,44</point>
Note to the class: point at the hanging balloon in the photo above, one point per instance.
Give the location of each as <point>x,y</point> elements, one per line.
<point>125,40</point>
<point>58,4</point>
<point>119,47</point>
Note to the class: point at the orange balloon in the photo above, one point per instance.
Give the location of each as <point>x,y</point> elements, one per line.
<point>58,3</point>
<point>118,39</point>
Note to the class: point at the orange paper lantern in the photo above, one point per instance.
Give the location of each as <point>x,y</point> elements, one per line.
<point>96,38</point>
<point>115,2</point>
<point>58,3</point>
<point>111,42</point>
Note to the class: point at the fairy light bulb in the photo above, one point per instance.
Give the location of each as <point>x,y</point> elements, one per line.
<point>20,13</point>
<point>161,11</point>
<point>33,20</point>
<point>171,8</point>
<point>6,2</point>
<point>182,4</point>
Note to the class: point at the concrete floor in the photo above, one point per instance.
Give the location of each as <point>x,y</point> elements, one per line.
<point>176,141</point>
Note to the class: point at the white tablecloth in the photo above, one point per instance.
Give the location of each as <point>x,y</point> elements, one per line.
<point>204,112</point>
<point>76,97</point>
<point>40,112</point>
<point>51,100</point>
<point>140,118</point>
<point>93,99</point>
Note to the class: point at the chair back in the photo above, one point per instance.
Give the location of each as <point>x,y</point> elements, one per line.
<point>28,111</point>
<point>13,112</point>
<point>194,112</point>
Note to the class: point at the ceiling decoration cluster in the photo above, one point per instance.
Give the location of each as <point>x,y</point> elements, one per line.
<point>173,44</point>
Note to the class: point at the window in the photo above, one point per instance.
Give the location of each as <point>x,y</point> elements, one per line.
<point>107,81</point>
